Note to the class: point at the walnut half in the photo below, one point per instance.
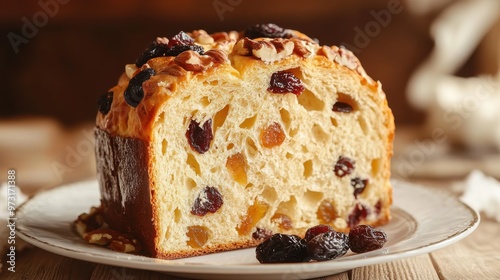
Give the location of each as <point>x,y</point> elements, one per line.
<point>92,228</point>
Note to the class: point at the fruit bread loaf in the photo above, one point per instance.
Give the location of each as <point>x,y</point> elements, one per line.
<point>212,142</point>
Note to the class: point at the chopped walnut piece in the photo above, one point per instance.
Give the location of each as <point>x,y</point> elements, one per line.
<point>88,222</point>
<point>193,61</point>
<point>114,240</point>
<point>92,228</point>
<point>218,56</point>
<point>345,58</point>
<point>267,50</point>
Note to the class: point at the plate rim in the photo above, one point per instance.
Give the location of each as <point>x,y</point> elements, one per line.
<point>167,266</point>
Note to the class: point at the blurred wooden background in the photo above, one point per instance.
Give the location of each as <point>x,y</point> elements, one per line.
<point>79,48</point>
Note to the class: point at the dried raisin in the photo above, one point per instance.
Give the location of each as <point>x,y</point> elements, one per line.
<point>181,39</point>
<point>316,230</point>
<point>344,166</point>
<point>285,82</point>
<point>208,200</point>
<point>342,107</point>
<point>268,30</point>
<point>104,102</point>
<point>327,246</point>
<point>281,248</point>
<point>358,214</point>
<point>134,92</point>
<point>364,238</point>
<point>199,138</point>
<point>156,49</point>
<point>359,185</point>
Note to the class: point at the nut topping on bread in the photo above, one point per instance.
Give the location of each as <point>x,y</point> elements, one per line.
<point>213,142</point>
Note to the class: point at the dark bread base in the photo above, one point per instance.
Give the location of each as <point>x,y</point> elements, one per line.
<point>123,176</point>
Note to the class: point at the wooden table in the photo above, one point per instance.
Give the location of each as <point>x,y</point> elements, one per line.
<point>475,257</point>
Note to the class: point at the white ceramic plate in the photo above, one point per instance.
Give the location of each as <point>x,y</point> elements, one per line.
<point>430,220</point>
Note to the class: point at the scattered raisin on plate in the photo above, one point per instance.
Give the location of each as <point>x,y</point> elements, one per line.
<point>281,248</point>
<point>364,238</point>
<point>321,243</point>
<point>327,246</point>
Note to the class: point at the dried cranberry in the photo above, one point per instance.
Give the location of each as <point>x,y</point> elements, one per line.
<point>104,102</point>
<point>134,92</point>
<point>199,138</point>
<point>269,30</point>
<point>358,214</point>
<point>364,238</point>
<point>344,166</point>
<point>181,39</point>
<point>327,246</point>
<point>262,234</point>
<point>359,185</point>
<point>281,248</point>
<point>284,82</point>
<point>209,200</point>
<point>177,49</point>
<point>316,230</point>
<point>342,107</point>
<point>156,49</point>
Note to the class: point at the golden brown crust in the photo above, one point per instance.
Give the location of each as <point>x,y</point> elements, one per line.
<point>209,249</point>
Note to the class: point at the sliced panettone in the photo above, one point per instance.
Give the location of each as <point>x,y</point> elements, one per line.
<point>214,142</point>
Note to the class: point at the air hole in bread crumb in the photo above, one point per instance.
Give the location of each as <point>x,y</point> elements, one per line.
<point>193,163</point>
<point>311,198</point>
<point>164,145</point>
<point>293,132</point>
<point>269,195</point>
<point>161,118</point>
<point>190,183</point>
<point>252,149</point>
<point>334,122</point>
<point>310,102</point>
<point>177,215</point>
<point>289,156</point>
<point>288,208</point>
<point>229,146</point>
<point>376,167</point>
<point>220,118</point>
<point>308,168</point>
<point>212,83</point>
<point>319,134</point>
<point>167,234</point>
<point>345,98</point>
<point>364,126</point>
<point>248,123</point>
<point>214,170</point>
<point>285,117</point>
<point>204,101</point>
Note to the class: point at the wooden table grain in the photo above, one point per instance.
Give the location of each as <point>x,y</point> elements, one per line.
<point>475,257</point>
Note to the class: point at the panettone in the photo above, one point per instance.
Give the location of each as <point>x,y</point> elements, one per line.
<point>212,142</point>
